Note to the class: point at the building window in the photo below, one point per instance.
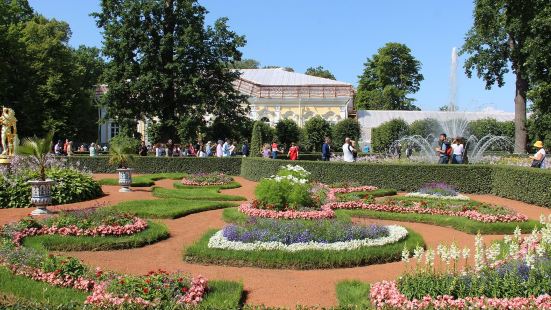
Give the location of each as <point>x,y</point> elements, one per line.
<point>265,120</point>
<point>114,129</point>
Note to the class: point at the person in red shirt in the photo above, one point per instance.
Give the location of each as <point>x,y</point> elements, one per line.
<point>293,152</point>
<point>274,149</point>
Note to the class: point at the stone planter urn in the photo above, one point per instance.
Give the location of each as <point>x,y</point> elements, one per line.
<point>125,179</point>
<point>41,195</point>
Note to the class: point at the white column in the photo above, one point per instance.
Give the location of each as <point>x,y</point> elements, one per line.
<point>277,114</point>
<point>344,111</point>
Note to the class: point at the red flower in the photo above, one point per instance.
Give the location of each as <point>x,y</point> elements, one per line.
<point>184,289</point>
<point>146,290</point>
<point>147,281</point>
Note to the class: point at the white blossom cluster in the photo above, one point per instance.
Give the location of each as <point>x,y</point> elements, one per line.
<point>458,197</point>
<point>218,241</point>
<point>290,178</point>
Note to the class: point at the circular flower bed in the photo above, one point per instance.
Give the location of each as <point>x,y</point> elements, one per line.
<point>292,236</point>
<point>476,212</point>
<point>77,223</point>
<point>252,209</point>
<point>206,179</point>
<point>438,191</point>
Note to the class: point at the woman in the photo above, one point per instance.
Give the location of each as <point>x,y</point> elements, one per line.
<point>233,148</point>
<point>93,150</point>
<point>538,160</point>
<point>191,150</point>
<point>266,151</point>
<point>457,151</point>
<point>293,152</point>
<point>275,149</point>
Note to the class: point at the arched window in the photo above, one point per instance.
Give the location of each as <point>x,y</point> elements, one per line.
<point>265,120</point>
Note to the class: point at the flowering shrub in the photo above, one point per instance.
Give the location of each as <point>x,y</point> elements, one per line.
<point>253,210</point>
<point>289,232</point>
<point>206,179</point>
<point>400,206</point>
<point>395,234</point>
<point>512,272</point>
<point>295,171</point>
<point>80,223</point>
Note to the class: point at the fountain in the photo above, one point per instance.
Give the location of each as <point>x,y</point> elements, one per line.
<point>454,124</point>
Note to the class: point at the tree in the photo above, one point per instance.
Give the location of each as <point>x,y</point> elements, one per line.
<point>167,63</point>
<point>246,64</point>
<point>316,129</point>
<point>509,32</point>
<point>388,78</point>
<point>425,127</point>
<point>490,126</point>
<point>346,128</point>
<point>383,136</point>
<point>256,139</point>
<point>288,69</point>
<point>287,131</point>
<point>319,71</point>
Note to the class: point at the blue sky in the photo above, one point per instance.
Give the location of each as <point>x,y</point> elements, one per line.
<point>337,35</point>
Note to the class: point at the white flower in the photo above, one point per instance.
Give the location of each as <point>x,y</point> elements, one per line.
<point>405,254</point>
<point>396,233</point>
<point>418,253</point>
<point>429,258</point>
<point>465,253</point>
<point>479,253</point>
<point>458,197</point>
<point>493,252</point>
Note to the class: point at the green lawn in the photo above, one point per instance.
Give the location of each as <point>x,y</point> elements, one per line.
<point>199,193</point>
<point>155,232</point>
<point>455,222</point>
<point>353,295</point>
<point>231,185</point>
<point>145,180</point>
<point>199,252</point>
<point>39,292</point>
<point>223,295</point>
<point>169,208</point>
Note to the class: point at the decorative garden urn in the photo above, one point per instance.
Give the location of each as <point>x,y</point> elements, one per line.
<point>125,179</point>
<point>41,195</point>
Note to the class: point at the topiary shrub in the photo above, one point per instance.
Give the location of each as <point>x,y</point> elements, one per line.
<point>70,186</point>
<point>346,128</point>
<point>316,129</point>
<point>384,135</point>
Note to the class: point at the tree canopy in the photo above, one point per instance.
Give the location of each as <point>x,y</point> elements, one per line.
<point>315,131</point>
<point>287,131</point>
<point>167,63</point>
<point>319,71</point>
<point>388,78</point>
<point>510,35</point>
<point>346,128</point>
<point>246,64</point>
<point>47,83</point>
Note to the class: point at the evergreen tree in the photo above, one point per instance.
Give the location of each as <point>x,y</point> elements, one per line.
<point>256,139</point>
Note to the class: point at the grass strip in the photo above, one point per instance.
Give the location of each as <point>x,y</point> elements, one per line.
<point>42,293</point>
<point>169,208</point>
<point>455,222</point>
<point>199,252</point>
<point>154,233</point>
<point>223,295</point>
<point>230,185</point>
<point>145,180</point>
<point>198,193</point>
<point>353,294</point>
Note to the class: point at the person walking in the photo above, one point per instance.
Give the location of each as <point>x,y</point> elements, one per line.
<point>233,149</point>
<point>226,152</point>
<point>70,148</point>
<point>266,151</point>
<point>326,149</point>
<point>245,149</point>
<point>538,160</point>
<point>143,149</point>
<point>93,151</point>
<point>444,150</point>
<point>169,148</point>
<point>274,149</point>
<point>293,151</point>
<point>457,151</point>
<point>409,151</point>
<point>58,148</point>
<point>208,149</point>
<point>348,149</point>
<point>219,152</point>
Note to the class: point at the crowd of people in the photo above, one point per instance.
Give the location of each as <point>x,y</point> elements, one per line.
<point>453,152</point>
<point>67,149</point>
<point>221,148</point>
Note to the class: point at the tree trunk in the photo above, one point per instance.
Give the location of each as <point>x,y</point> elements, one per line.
<point>520,114</point>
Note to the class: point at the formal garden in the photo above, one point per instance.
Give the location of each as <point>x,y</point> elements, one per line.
<point>223,233</point>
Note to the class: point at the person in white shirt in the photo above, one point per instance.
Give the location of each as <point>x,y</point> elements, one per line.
<point>347,150</point>
<point>457,151</point>
<point>538,160</point>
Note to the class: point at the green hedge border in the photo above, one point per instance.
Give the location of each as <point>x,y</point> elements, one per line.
<point>523,184</point>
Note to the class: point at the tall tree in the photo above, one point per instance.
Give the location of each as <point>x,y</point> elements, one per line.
<point>246,64</point>
<point>347,128</point>
<point>167,63</point>
<point>501,36</point>
<point>287,131</point>
<point>388,78</point>
<point>288,69</point>
<point>316,129</point>
<point>319,71</point>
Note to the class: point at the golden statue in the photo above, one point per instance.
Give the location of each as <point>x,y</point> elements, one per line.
<point>9,132</point>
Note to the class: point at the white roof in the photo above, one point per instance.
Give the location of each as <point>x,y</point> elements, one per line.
<point>280,77</point>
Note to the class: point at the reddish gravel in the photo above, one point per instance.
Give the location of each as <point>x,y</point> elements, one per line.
<point>264,286</point>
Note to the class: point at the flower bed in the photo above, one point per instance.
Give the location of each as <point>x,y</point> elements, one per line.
<point>251,209</point>
<point>438,190</point>
<point>421,208</point>
<point>421,195</point>
<point>206,179</point>
<point>395,234</point>
<point>82,223</point>
<point>332,193</point>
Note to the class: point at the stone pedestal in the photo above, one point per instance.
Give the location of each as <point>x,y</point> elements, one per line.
<point>125,180</point>
<point>41,196</point>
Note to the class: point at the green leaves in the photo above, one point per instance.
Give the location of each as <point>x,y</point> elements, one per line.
<point>389,76</point>
<point>319,71</point>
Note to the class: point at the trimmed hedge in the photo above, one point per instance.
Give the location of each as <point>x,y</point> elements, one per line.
<point>524,184</point>
<point>151,164</point>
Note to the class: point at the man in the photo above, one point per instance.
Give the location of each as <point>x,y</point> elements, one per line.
<point>444,150</point>
<point>58,148</point>
<point>169,148</point>
<point>226,151</point>
<point>275,149</point>
<point>245,149</point>
<point>326,149</point>
<point>143,149</point>
<point>348,151</point>
<point>293,152</point>
<point>219,149</point>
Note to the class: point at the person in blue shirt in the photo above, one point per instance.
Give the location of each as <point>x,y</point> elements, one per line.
<point>444,149</point>
<point>245,149</point>
<point>226,148</point>
<point>326,149</point>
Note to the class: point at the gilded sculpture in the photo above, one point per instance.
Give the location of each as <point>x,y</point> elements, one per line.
<point>9,132</point>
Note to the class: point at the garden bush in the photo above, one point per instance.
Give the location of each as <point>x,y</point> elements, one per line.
<point>384,135</point>
<point>70,186</point>
<point>150,164</point>
<point>523,184</point>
